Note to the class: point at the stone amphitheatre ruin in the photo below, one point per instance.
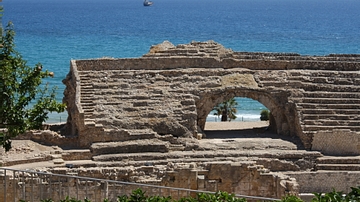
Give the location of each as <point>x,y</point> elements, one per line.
<point>140,120</point>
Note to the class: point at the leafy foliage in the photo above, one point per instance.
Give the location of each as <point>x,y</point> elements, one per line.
<point>138,195</point>
<point>47,200</point>
<point>291,198</point>
<point>227,110</point>
<point>24,101</point>
<point>354,195</point>
<point>334,196</point>
<point>219,196</point>
<point>68,199</point>
<point>264,115</point>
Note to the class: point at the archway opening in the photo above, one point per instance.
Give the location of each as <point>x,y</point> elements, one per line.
<point>247,116</point>
<point>247,130</point>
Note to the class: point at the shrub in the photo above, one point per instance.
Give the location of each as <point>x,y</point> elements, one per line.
<point>354,195</point>
<point>265,115</point>
<point>138,195</point>
<point>218,196</point>
<point>291,198</point>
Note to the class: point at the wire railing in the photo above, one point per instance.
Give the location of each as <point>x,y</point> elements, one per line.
<point>34,186</point>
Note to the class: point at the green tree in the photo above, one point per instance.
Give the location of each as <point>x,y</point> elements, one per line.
<point>227,110</point>
<point>24,100</point>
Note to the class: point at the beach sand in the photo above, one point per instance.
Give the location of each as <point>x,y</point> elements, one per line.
<point>244,136</point>
<point>235,125</point>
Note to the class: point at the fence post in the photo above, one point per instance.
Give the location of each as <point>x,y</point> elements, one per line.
<point>5,185</point>
<point>24,186</point>
<point>32,187</point>
<point>77,188</point>
<point>20,177</point>
<point>14,185</point>
<point>106,186</point>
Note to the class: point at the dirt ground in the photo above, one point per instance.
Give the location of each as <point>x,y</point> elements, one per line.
<point>219,135</point>
<point>27,149</point>
<point>246,135</point>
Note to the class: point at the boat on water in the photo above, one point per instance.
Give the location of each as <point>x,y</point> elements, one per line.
<point>148,3</point>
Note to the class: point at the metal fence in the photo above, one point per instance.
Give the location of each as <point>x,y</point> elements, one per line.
<point>35,186</point>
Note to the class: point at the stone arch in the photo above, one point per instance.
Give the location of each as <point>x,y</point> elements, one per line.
<point>282,113</point>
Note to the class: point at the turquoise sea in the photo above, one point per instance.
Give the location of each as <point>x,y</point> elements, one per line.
<point>53,32</point>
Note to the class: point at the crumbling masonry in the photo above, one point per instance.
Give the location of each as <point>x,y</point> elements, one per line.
<point>172,89</point>
<point>138,120</point>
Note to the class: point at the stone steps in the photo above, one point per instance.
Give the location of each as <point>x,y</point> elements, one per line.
<point>146,156</point>
<point>311,87</point>
<point>176,147</point>
<point>331,111</point>
<point>325,80</point>
<point>331,101</point>
<point>88,111</point>
<point>343,95</point>
<point>76,154</point>
<point>90,122</point>
<point>338,117</point>
<point>338,163</point>
<point>338,160</point>
<point>314,87</point>
<point>325,74</point>
<point>324,127</point>
<point>112,135</point>
<point>325,107</point>
<point>131,146</point>
<point>278,84</point>
<point>326,122</point>
<point>153,162</point>
<point>316,76</point>
<point>87,103</point>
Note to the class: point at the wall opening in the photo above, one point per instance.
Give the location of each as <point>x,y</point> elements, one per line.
<point>279,126</point>
<point>248,112</point>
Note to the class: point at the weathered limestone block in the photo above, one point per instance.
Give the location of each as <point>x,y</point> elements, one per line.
<point>171,126</point>
<point>72,155</point>
<point>161,47</point>
<point>278,165</point>
<point>326,181</point>
<point>133,146</point>
<point>337,142</point>
<point>239,80</point>
<point>49,137</point>
<point>239,178</point>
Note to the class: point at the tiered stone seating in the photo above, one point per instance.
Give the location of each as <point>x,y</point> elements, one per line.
<point>136,111</point>
<point>338,163</point>
<point>328,99</point>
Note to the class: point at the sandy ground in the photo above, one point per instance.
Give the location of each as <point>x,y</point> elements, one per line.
<point>245,136</point>
<point>235,125</point>
<point>27,149</point>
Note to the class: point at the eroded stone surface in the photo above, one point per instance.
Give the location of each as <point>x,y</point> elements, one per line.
<point>172,89</point>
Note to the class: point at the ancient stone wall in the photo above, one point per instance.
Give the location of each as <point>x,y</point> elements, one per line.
<point>242,178</point>
<point>172,89</point>
<point>239,178</point>
<point>337,142</point>
<point>326,181</point>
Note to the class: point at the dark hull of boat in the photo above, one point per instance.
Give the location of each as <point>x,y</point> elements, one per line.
<point>148,3</point>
